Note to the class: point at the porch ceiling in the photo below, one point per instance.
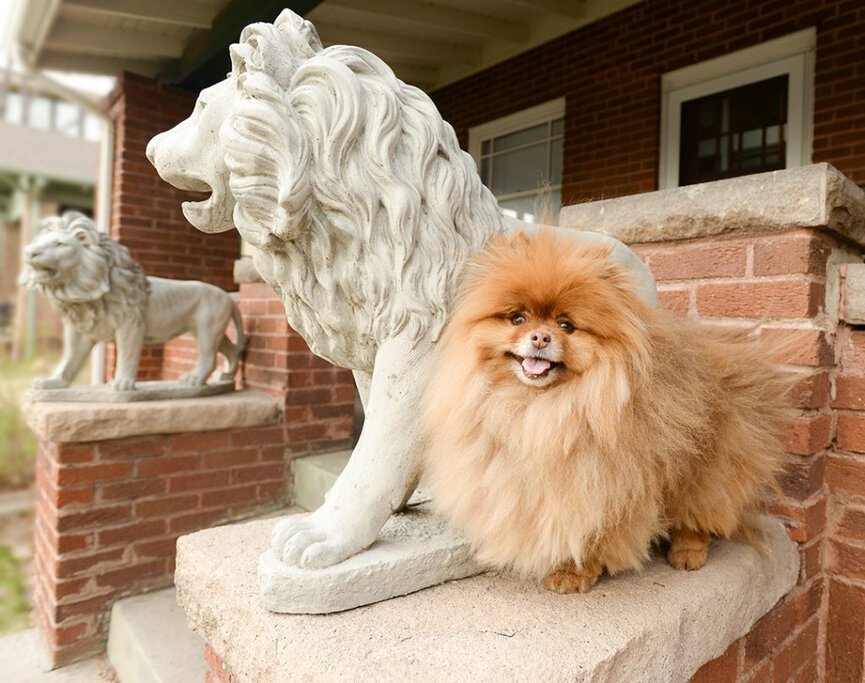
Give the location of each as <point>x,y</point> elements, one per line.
<point>429,43</point>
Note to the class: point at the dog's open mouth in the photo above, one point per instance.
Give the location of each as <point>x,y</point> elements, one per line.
<point>534,367</point>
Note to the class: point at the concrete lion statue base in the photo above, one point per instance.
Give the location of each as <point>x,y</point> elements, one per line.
<point>360,208</point>
<point>103,295</point>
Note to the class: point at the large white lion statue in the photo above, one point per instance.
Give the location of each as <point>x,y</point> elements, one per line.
<point>103,295</point>
<point>360,208</point>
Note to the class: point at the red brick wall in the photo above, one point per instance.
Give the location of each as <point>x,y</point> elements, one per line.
<point>146,214</point>
<point>318,397</point>
<point>845,656</point>
<point>777,282</point>
<point>610,73</point>
<point>109,515</point>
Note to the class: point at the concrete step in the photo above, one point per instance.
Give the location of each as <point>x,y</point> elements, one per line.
<point>20,663</point>
<point>314,475</point>
<point>149,641</point>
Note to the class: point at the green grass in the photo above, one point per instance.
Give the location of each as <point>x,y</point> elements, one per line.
<point>17,442</point>
<point>14,609</point>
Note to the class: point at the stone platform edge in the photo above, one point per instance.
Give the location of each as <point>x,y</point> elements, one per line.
<point>816,196</point>
<point>657,624</point>
<point>72,422</point>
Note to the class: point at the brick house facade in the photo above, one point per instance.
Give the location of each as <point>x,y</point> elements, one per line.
<point>610,76</point>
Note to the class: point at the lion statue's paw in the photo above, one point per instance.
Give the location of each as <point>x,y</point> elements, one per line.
<point>50,383</point>
<point>122,384</point>
<point>317,540</point>
<point>192,380</point>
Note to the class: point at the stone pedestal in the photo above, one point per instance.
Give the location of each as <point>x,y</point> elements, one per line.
<point>118,483</point>
<point>655,625</point>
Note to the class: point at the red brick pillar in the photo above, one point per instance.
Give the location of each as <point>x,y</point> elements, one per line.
<point>845,555</point>
<point>115,493</point>
<point>318,398</point>
<point>146,213</point>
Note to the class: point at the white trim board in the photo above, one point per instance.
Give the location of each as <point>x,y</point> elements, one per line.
<point>554,109</point>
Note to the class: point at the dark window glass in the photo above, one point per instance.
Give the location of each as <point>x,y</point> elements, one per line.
<point>734,132</point>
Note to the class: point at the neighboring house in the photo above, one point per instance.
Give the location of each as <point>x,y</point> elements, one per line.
<point>49,152</point>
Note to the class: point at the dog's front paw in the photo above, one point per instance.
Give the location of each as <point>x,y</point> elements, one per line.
<point>122,384</point>
<point>562,581</point>
<point>687,558</point>
<point>50,383</point>
<point>688,549</point>
<point>567,578</point>
<point>319,539</point>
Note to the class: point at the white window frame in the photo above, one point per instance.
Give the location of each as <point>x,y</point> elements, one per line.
<point>527,118</point>
<point>791,55</point>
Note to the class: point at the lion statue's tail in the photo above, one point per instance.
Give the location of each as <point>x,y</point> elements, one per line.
<point>237,346</point>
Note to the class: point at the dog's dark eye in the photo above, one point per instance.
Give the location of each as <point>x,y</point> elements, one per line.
<point>567,326</point>
<point>518,318</point>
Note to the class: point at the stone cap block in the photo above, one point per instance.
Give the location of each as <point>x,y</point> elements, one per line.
<point>654,625</point>
<point>853,293</point>
<point>74,422</point>
<point>816,196</point>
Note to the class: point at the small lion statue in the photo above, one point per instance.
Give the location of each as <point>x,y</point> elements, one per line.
<point>103,295</point>
<point>361,208</point>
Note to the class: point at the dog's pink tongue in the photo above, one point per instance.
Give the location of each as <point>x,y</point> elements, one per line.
<point>535,366</point>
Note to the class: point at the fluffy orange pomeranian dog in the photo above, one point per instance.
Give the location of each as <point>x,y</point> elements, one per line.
<point>570,424</point>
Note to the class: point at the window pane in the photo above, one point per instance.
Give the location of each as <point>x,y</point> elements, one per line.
<point>92,128</point>
<point>559,127</point>
<point>39,115</point>
<point>556,157</point>
<point>68,119</point>
<point>521,137</point>
<point>523,169</point>
<point>526,208</point>
<point>485,171</point>
<point>485,147</point>
<point>14,108</point>
<point>734,132</point>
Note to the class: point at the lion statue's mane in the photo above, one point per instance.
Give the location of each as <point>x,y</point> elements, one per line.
<point>101,288</point>
<point>318,152</point>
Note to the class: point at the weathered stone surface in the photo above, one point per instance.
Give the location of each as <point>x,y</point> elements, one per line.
<point>816,196</point>
<point>656,625</point>
<point>853,297</point>
<point>143,391</point>
<point>414,550</point>
<point>74,422</point>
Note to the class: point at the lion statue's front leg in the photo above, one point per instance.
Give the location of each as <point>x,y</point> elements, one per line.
<point>380,474</point>
<point>76,348</point>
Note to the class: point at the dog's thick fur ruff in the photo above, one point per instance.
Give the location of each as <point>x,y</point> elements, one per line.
<point>655,423</point>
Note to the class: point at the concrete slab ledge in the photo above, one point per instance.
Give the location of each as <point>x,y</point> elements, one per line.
<point>817,196</point>
<point>69,422</point>
<point>149,642</point>
<point>658,624</point>
<point>143,391</point>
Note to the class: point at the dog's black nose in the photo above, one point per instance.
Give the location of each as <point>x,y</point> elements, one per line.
<point>540,339</point>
